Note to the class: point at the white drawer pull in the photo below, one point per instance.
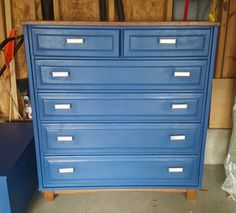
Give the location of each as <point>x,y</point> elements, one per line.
<point>182,74</point>
<point>176,170</point>
<point>64,138</point>
<point>179,106</point>
<point>62,106</point>
<point>75,41</point>
<point>60,74</point>
<point>177,137</point>
<point>167,40</point>
<point>66,170</point>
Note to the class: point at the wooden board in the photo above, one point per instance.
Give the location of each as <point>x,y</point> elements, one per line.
<point>160,23</point>
<point>190,193</point>
<point>223,93</point>
<point>22,10</point>
<point>4,82</point>
<point>222,36</point>
<point>13,112</point>
<point>229,65</point>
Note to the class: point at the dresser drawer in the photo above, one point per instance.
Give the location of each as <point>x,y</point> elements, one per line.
<point>107,75</point>
<point>167,42</point>
<point>121,107</point>
<point>82,139</point>
<point>121,171</point>
<point>75,42</point>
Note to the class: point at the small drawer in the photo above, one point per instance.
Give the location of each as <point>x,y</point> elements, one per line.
<point>84,139</point>
<point>121,107</point>
<point>120,171</point>
<point>75,42</point>
<point>167,42</point>
<point>120,75</point>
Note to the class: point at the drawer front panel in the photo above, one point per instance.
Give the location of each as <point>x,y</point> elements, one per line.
<point>167,42</point>
<point>121,107</point>
<point>120,171</point>
<point>75,42</point>
<point>81,139</point>
<point>55,74</point>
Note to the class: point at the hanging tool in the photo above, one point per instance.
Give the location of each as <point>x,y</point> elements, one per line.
<point>186,8</point>
<point>17,47</point>
<point>119,6</point>
<point>102,5</point>
<point>47,9</point>
<point>214,11</point>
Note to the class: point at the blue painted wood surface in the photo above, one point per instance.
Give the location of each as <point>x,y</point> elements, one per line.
<point>120,105</point>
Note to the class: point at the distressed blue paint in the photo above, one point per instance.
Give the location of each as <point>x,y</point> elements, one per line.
<point>18,177</point>
<point>121,93</point>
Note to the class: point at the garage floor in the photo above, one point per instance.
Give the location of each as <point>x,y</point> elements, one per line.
<point>214,200</point>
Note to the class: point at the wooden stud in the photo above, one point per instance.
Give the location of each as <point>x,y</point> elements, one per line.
<point>229,64</point>
<point>15,109</point>
<point>111,11</point>
<point>191,194</point>
<point>56,9</point>
<point>49,196</point>
<point>222,36</point>
<point>169,10</point>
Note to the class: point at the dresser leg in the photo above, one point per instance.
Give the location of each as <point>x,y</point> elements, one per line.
<point>191,194</point>
<point>49,196</point>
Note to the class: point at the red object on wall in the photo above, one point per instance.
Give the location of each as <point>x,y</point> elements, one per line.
<point>187,2</point>
<point>9,51</point>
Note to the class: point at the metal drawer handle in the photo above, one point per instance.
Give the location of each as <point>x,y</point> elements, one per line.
<point>177,137</point>
<point>60,74</point>
<point>176,170</point>
<point>182,74</point>
<point>75,40</point>
<point>179,106</point>
<point>62,106</point>
<point>64,138</point>
<point>167,40</point>
<point>66,170</point>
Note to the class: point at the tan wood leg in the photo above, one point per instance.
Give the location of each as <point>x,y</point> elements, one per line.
<point>191,194</point>
<point>49,196</point>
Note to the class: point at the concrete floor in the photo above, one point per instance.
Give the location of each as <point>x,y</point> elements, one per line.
<point>210,200</point>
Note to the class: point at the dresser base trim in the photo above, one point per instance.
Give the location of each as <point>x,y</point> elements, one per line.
<point>190,193</point>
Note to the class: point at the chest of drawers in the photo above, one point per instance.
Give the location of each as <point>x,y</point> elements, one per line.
<point>119,106</point>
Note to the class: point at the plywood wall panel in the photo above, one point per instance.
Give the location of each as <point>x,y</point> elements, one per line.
<point>149,10</point>
<point>229,65</point>
<point>80,10</point>
<point>223,93</point>
<point>22,10</point>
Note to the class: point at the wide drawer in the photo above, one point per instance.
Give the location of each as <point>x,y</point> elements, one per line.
<point>121,107</point>
<point>79,74</point>
<point>75,42</point>
<point>83,139</point>
<point>167,42</point>
<point>120,171</point>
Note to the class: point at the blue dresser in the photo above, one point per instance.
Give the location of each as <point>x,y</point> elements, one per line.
<point>120,105</point>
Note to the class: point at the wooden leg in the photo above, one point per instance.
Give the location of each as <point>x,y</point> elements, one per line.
<point>191,194</point>
<point>49,196</point>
